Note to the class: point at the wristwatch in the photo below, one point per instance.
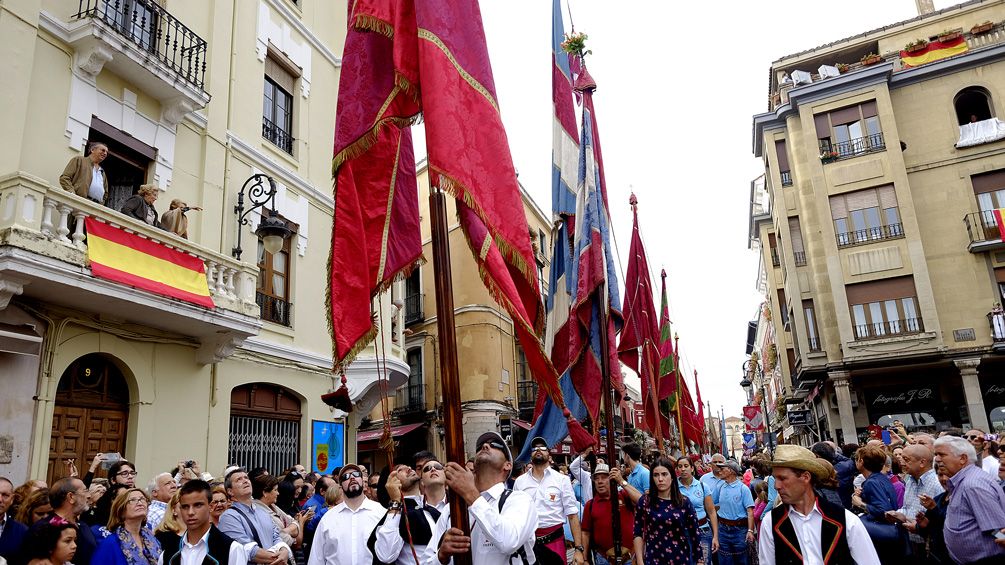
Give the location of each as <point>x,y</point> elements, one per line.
<point>395,505</point>
<point>580,549</point>
<point>624,483</point>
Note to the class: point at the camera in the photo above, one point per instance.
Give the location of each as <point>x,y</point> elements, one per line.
<point>189,464</point>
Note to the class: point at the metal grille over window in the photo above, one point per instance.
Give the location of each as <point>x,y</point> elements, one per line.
<point>263,442</point>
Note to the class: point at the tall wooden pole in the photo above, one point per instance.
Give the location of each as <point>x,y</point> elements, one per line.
<point>653,395</point>
<point>446,333</point>
<point>608,390</point>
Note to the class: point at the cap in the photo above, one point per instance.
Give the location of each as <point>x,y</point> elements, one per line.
<point>731,465</point>
<point>602,469</point>
<point>348,467</point>
<point>497,442</point>
<point>539,441</point>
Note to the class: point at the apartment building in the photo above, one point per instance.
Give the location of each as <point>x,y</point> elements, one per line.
<point>884,267</point>
<point>195,97</point>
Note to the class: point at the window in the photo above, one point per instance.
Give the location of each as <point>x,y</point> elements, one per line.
<point>264,427</point>
<point>989,188</point>
<point>277,111</point>
<point>783,162</point>
<point>973,104</point>
<point>135,20</point>
<point>773,246</point>
<point>411,396</point>
<point>850,131</point>
<point>127,163</point>
<point>866,215</point>
<point>884,308</point>
<point>413,299</point>
<point>783,308</point>
<point>796,236</point>
<point>526,387</point>
<point>811,325</point>
<point>273,292</point>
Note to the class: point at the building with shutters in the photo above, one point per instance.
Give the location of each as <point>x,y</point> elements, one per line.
<point>884,263</point>
<point>195,97</point>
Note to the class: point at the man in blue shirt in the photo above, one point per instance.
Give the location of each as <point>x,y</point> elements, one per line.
<point>244,523</point>
<point>736,515</point>
<point>711,480</point>
<point>638,475</point>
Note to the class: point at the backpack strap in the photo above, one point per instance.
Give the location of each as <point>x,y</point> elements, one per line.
<point>522,552</point>
<point>251,526</point>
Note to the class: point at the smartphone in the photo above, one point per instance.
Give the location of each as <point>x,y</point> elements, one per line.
<point>886,437</point>
<point>110,459</point>
<point>999,535</point>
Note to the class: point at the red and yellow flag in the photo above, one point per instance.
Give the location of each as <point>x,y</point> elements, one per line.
<point>127,258</point>
<point>934,51</point>
<point>999,214</point>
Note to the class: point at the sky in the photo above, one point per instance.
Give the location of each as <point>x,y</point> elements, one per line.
<point>678,85</point>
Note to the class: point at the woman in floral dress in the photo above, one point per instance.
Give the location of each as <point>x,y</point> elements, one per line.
<point>666,526</point>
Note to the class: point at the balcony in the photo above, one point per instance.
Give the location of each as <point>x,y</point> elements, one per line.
<point>277,135</point>
<point>43,256</point>
<point>983,230</point>
<point>814,344</point>
<point>272,309</point>
<point>996,319</point>
<point>413,308</point>
<point>774,257</point>
<point>888,329</point>
<point>830,152</point>
<point>800,257</point>
<point>143,43</point>
<point>869,235</point>
<point>786,178</point>
<point>527,399</point>
<point>410,398</point>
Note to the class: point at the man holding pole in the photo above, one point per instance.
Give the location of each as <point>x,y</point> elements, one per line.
<point>555,502</point>
<point>502,521</point>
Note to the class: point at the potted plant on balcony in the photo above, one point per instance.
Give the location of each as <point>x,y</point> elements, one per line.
<point>982,28</point>
<point>870,59</point>
<point>949,35</point>
<point>828,155</point>
<point>916,45</point>
<point>842,67</point>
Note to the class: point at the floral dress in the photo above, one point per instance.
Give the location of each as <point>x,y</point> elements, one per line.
<point>669,532</point>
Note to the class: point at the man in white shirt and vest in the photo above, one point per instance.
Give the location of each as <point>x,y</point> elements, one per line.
<point>201,542</point>
<point>805,528</point>
<point>342,532</point>
<point>555,502</point>
<point>502,521</point>
<point>395,539</point>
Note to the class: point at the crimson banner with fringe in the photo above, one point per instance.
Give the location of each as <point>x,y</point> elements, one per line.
<point>403,57</point>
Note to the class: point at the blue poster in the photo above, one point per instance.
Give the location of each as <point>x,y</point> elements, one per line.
<point>327,446</point>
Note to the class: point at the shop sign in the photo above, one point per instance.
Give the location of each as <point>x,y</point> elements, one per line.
<point>799,417</point>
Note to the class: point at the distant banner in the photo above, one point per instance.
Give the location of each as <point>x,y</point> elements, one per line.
<point>934,51</point>
<point>753,418</point>
<point>749,441</point>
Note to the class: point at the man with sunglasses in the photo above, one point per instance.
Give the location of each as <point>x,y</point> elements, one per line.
<point>502,521</point>
<point>985,459</point>
<point>343,531</point>
<point>555,502</point>
<point>389,542</point>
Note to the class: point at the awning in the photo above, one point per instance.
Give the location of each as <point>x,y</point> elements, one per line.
<point>371,435</point>
<point>521,424</point>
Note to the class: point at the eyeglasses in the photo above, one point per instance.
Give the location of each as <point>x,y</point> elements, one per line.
<point>218,502</point>
<point>374,484</point>
<point>430,466</point>
<point>974,436</point>
<point>126,474</point>
<point>539,448</point>
<point>136,500</point>
<point>350,475</point>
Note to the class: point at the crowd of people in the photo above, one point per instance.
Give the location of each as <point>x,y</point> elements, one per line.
<point>918,497</point>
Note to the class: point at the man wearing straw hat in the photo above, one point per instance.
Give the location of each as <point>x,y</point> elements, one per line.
<point>806,528</point>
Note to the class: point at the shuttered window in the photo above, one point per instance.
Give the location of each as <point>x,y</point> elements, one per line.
<point>866,215</point>
<point>885,307</point>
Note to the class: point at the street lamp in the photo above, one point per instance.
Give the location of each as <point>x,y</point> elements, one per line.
<point>271,230</point>
<point>752,368</point>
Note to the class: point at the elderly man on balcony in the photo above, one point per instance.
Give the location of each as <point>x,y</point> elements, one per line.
<point>84,176</point>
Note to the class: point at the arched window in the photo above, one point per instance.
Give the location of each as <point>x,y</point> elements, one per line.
<point>264,427</point>
<point>973,104</point>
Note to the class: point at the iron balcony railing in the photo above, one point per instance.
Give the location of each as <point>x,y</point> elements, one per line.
<point>800,257</point>
<point>830,151</point>
<point>527,393</point>
<point>277,135</point>
<point>814,344</point>
<point>982,226</point>
<point>274,309</point>
<point>878,233</point>
<point>410,398</point>
<point>996,318</point>
<point>413,308</point>
<point>153,29</point>
<point>891,328</point>
<point>786,178</point>
<point>774,257</point>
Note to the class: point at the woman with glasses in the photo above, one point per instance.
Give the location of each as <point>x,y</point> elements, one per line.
<point>219,502</point>
<point>130,542</point>
<point>121,472</point>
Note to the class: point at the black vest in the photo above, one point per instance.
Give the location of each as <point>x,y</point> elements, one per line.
<point>218,552</point>
<point>833,536</point>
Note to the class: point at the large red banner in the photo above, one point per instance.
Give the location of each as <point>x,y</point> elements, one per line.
<point>753,418</point>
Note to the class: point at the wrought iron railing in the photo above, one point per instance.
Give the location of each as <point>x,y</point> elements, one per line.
<point>878,233</point>
<point>527,393</point>
<point>982,226</point>
<point>774,257</point>
<point>830,151</point>
<point>410,398</point>
<point>274,309</point>
<point>996,318</point>
<point>891,328</point>
<point>277,135</point>
<point>786,178</point>
<point>413,308</point>
<point>800,257</point>
<point>263,442</point>
<point>152,28</point>
<point>814,343</point>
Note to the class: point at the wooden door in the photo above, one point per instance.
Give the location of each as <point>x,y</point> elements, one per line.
<point>81,433</point>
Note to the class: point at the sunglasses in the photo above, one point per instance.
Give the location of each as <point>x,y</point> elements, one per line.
<point>430,466</point>
<point>495,444</point>
<point>975,437</point>
<point>351,475</point>
<point>539,448</point>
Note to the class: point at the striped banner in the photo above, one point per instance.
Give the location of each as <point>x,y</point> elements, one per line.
<point>129,259</point>
<point>999,214</point>
<point>934,51</point>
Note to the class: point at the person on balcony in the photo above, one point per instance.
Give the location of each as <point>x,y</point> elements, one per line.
<point>84,176</point>
<point>175,220</point>
<point>141,205</point>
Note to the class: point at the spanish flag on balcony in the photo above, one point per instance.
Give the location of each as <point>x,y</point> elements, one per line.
<point>129,259</point>
<point>934,51</point>
<point>999,214</point>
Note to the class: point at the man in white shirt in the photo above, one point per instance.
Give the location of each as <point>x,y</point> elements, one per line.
<point>498,536</point>
<point>201,539</point>
<point>391,539</point>
<point>342,532</point>
<point>554,501</point>
<point>579,470</point>
<point>161,489</point>
<point>804,527</point>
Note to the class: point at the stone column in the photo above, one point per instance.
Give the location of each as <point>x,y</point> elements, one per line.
<point>972,392</point>
<point>842,380</point>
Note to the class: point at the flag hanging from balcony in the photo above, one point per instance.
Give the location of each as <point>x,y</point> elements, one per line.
<point>429,57</point>
<point>999,214</point>
<point>127,258</point>
<point>934,51</point>
<point>550,423</point>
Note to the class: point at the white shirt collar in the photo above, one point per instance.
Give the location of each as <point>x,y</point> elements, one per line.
<point>203,540</point>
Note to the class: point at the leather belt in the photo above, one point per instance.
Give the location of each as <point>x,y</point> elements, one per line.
<point>728,522</point>
<point>550,536</point>
<point>703,521</point>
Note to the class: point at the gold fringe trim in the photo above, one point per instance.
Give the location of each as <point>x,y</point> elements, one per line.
<point>368,139</point>
<point>366,22</point>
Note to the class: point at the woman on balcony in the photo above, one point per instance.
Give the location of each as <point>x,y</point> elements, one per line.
<point>141,205</point>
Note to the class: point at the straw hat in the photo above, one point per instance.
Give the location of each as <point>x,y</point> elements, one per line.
<point>800,458</point>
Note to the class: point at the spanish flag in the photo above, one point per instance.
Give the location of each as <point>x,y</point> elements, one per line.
<point>127,258</point>
<point>934,51</point>
<point>999,214</point>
